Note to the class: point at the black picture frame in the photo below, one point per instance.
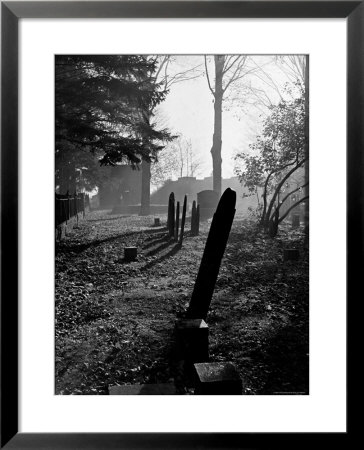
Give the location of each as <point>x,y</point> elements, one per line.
<point>11,12</point>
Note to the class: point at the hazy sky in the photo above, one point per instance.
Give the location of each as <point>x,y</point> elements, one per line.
<point>189,110</point>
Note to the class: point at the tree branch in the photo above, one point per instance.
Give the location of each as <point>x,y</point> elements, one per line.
<point>278,188</point>
<point>292,192</point>
<point>208,78</point>
<point>293,206</point>
<point>225,68</point>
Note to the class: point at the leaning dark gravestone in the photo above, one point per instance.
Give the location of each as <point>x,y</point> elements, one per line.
<point>212,256</point>
<point>207,201</point>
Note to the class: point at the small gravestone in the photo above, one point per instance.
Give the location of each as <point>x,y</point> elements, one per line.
<point>291,254</point>
<point>208,201</point>
<point>295,220</point>
<point>157,222</point>
<point>217,378</point>
<point>193,339</point>
<point>183,220</point>
<point>171,212</point>
<point>176,224</point>
<point>130,253</point>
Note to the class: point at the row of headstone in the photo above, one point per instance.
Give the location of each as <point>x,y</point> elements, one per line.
<point>173,218</point>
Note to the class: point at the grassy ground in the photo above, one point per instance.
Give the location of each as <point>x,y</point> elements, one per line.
<point>115,320</point>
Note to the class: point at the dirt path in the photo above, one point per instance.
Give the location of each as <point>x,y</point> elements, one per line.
<point>114,320</point>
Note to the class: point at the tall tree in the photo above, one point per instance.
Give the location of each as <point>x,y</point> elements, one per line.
<point>278,154</point>
<point>228,69</point>
<point>99,100</point>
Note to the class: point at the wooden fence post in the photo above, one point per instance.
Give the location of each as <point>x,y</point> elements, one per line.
<point>83,204</point>
<point>68,207</point>
<point>76,207</point>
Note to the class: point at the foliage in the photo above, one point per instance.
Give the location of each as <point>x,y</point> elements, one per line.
<point>103,106</point>
<point>277,153</point>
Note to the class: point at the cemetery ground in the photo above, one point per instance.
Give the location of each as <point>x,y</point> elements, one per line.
<point>114,320</point>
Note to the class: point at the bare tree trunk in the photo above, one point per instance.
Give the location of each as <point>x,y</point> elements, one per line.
<point>145,200</point>
<point>217,138</point>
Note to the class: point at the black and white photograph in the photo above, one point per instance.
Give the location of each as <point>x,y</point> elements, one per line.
<point>181,224</point>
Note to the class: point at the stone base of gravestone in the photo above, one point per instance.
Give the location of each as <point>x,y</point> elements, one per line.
<point>217,379</point>
<point>291,254</point>
<point>130,253</point>
<point>192,340</point>
<point>144,389</point>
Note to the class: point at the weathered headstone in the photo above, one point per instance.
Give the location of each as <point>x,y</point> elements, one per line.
<point>291,254</point>
<point>183,220</point>
<point>217,379</point>
<point>171,212</point>
<point>212,256</point>
<point>130,253</point>
<point>176,225</point>
<point>208,201</point>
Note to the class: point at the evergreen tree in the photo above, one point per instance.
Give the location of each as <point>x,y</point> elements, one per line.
<point>103,105</point>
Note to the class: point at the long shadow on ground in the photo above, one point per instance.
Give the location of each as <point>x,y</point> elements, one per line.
<point>171,253</point>
<point>79,248</point>
<point>154,242</point>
